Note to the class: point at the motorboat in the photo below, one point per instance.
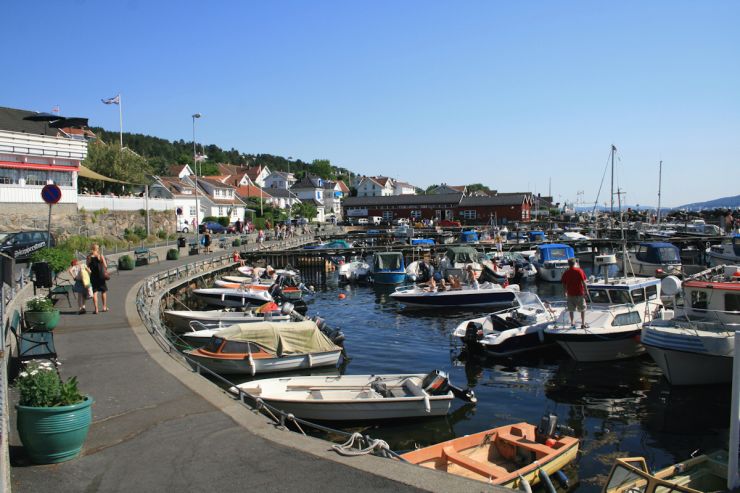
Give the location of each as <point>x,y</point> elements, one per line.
<point>355,397</point>
<point>356,270</point>
<point>388,268</point>
<point>536,236</point>
<point>726,253</point>
<point>266,347</point>
<point>511,331</point>
<point>457,259</point>
<point>510,455</point>
<point>419,271</point>
<point>705,473</point>
<point>552,260</point>
<point>487,294</point>
<point>616,310</point>
<point>239,279</point>
<point>573,236</point>
<point>330,245</point>
<point>235,298</point>
<point>287,289</point>
<point>697,345</point>
<point>521,267</point>
<point>655,259</point>
<point>469,236</point>
<point>179,320</point>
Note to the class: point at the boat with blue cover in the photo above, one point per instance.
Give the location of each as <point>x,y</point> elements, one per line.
<point>725,253</point>
<point>655,259</point>
<point>552,260</point>
<point>470,236</point>
<point>388,268</point>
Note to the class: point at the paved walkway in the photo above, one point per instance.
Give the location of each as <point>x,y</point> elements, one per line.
<point>151,432</point>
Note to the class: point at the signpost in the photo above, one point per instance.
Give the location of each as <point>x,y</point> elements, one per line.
<point>51,194</point>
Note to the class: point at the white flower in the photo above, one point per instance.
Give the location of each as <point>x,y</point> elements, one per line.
<point>34,372</point>
<point>23,374</point>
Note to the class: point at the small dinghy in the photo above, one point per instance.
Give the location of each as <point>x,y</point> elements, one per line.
<point>179,320</point>
<point>266,347</point>
<point>286,290</point>
<point>701,474</point>
<point>356,397</point>
<point>239,279</point>
<point>503,455</point>
<point>512,331</point>
<point>235,298</point>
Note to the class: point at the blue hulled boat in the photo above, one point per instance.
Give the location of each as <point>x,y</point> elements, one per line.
<point>388,268</point>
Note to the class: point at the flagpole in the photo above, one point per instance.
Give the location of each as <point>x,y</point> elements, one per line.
<point>120,117</point>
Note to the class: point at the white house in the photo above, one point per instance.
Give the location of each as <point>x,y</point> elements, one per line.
<point>375,186</point>
<point>403,188</point>
<point>221,199</point>
<point>180,170</point>
<point>258,174</point>
<point>333,195</point>
<point>280,179</point>
<point>182,194</point>
<point>311,189</point>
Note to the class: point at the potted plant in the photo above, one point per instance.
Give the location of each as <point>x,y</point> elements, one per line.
<point>40,314</point>
<point>53,417</point>
<point>173,254</point>
<point>236,243</point>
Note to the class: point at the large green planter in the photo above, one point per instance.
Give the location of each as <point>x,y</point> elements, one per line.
<point>41,320</point>
<point>54,434</point>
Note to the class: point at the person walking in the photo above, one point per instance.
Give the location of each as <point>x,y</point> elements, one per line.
<point>207,242</point>
<point>81,275</point>
<point>574,281</point>
<point>98,276</point>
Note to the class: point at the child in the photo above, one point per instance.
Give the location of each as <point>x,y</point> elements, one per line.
<point>81,275</point>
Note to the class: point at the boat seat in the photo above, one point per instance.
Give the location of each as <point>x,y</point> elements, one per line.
<point>522,442</point>
<point>487,470</point>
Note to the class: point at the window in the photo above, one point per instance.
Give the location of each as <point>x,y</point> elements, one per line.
<point>619,297</point>
<point>387,215</point>
<point>638,295</point>
<point>642,252</point>
<point>192,210</point>
<point>61,178</point>
<point>235,347</point>
<point>699,300</point>
<point>222,211</point>
<point>36,179</point>
<point>629,318</point>
<point>8,176</point>
<point>732,302</point>
<point>598,296</point>
<point>652,292</point>
<point>468,214</point>
<point>416,214</point>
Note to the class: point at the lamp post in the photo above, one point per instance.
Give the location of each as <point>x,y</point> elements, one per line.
<point>195,170</point>
<point>290,203</point>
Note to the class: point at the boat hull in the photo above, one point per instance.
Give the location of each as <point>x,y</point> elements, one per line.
<point>244,366</point>
<point>499,298</point>
<point>601,347</point>
<point>534,340</point>
<point>552,274</point>
<point>389,277</point>
<point>179,320</point>
<point>364,411</point>
<point>239,300</point>
<point>689,368</point>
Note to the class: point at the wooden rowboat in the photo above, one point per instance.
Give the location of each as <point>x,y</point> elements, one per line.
<point>500,455</point>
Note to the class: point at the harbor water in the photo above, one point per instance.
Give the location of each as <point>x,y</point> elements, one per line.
<point>617,409</point>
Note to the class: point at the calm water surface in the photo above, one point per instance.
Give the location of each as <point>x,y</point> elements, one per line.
<point>621,408</point>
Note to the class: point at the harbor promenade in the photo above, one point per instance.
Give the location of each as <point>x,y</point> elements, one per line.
<point>159,427</point>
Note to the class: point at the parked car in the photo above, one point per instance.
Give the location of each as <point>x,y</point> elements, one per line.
<point>184,226</point>
<point>447,223</point>
<point>401,221</point>
<point>21,245</point>
<point>211,226</point>
<point>363,221</point>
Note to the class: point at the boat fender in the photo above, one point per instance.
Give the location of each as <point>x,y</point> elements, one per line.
<point>546,482</point>
<point>427,404</point>
<point>524,485</point>
<point>562,479</point>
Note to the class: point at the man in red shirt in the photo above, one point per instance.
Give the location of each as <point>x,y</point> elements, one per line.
<point>574,281</point>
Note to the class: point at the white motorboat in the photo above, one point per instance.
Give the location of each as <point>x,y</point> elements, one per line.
<point>235,298</point>
<point>239,279</point>
<point>552,260</point>
<point>354,397</point>
<point>266,347</point>
<point>696,346</point>
<point>617,309</point>
<point>512,331</point>
<point>488,294</point>
<point>727,253</point>
<point>457,259</point>
<point>356,270</point>
<point>179,320</point>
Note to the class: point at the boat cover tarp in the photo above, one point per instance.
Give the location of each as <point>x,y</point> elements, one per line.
<point>281,338</point>
<point>462,255</point>
<point>389,261</point>
<point>660,253</point>
<point>556,251</point>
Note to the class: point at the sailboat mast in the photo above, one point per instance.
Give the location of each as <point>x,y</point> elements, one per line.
<point>611,196</point>
<point>660,178</point>
<point>621,227</point>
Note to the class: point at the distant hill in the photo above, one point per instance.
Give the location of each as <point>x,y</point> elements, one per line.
<point>724,202</point>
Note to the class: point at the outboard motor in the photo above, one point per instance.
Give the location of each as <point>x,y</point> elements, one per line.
<point>548,425</point>
<point>473,334</point>
<point>275,291</point>
<point>435,383</point>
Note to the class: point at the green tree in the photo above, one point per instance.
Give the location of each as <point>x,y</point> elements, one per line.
<point>114,162</point>
<point>322,168</point>
<point>306,210</point>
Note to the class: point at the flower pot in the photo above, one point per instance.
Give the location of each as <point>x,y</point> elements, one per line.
<point>41,320</point>
<point>54,434</point>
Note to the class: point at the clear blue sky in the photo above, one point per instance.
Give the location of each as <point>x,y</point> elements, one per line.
<point>504,93</point>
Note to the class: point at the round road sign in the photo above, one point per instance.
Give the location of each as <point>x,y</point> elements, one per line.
<point>51,194</point>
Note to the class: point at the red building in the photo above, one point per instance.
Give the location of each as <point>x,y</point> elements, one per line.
<point>452,206</point>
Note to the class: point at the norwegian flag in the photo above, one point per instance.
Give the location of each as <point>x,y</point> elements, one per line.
<point>114,100</point>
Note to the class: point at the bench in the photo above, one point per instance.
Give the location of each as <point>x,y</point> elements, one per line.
<point>61,290</point>
<point>487,470</point>
<point>32,344</point>
<point>144,256</point>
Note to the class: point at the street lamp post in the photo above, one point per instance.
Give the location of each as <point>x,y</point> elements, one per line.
<point>290,203</point>
<point>197,204</point>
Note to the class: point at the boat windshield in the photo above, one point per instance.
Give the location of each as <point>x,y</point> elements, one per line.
<point>668,254</point>
<point>558,254</point>
<point>390,262</point>
<point>213,345</point>
<point>619,296</point>
<point>530,300</point>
